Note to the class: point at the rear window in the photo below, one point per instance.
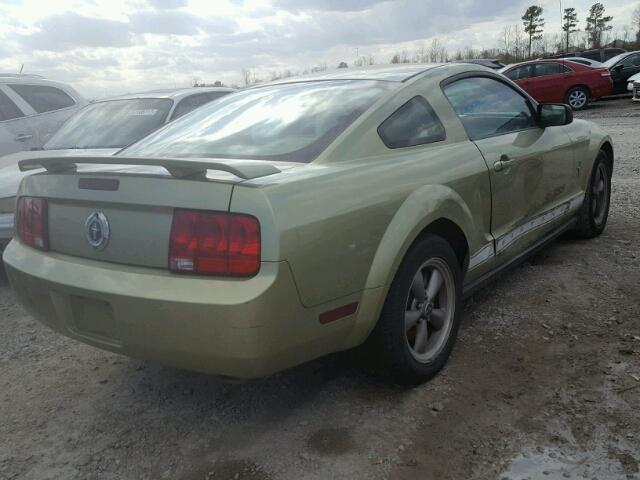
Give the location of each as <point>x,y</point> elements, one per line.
<point>8,109</point>
<point>288,122</point>
<point>520,73</point>
<point>111,124</point>
<point>43,98</point>
<point>414,123</point>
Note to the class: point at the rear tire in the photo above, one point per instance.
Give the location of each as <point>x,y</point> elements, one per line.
<point>577,98</point>
<point>593,215</point>
<point>420,319</point>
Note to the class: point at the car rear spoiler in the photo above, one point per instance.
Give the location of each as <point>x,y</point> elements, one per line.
<point>179,168</point>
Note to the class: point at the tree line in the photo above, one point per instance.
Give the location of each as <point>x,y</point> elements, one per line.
<point>516,43</point>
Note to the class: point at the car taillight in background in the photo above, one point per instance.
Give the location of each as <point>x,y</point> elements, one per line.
<point>32,223</point>
<point>214,243</point>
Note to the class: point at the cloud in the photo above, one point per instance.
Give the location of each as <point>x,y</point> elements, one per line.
<point>167,4</point>
<point>177,23</point>
<point>69,30</point>
<point>107,47</point>
<point>328,5</point>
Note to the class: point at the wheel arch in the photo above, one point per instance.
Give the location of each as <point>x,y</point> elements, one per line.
<point>446,216</point>
<point>607,147</point>
<point>578,85</point>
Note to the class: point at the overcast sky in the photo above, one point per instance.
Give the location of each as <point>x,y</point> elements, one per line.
<point>107,47</point>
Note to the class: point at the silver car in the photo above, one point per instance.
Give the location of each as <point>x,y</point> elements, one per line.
<point>32,108</point>
<point>102,128</point>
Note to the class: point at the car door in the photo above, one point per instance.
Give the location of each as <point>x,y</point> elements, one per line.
<point>550,82</point>
<point>620,73</point>
<point>51,106</point>
<point>532,170</point>
<point>16,132</point>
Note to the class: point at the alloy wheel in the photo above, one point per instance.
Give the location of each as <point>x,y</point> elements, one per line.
<point>599,194</point>
<point>577,99</point>
<point>430,310</point>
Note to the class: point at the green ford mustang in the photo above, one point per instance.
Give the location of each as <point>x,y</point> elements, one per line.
<point>299,218</point>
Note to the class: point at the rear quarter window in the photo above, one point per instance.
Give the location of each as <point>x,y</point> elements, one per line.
<point>414,123</point>
<point>8,109</point>
<point>43,98</point>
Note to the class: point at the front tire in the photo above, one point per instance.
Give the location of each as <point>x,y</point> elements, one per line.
<point>421,315</point>
<point>594,212</point>
<point>577,98</point>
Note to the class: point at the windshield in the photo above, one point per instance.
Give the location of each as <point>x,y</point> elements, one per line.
<point>288,122</point>
<point>111,124</point>
<point>613,60</point>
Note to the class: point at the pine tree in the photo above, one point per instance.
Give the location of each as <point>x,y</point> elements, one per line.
<point>533,23</point>
<point>570,22</point>
<point>597,24</point>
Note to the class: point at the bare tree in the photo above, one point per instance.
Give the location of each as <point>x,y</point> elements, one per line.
<point>518,43</point>
<point>247,76</point>
<point>437,52</point>
<point>635,22</point>
<point>507,41</point>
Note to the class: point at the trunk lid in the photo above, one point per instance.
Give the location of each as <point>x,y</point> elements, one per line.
<point>136,197</point>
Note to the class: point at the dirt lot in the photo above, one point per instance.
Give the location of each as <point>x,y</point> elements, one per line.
<point>544,383</point>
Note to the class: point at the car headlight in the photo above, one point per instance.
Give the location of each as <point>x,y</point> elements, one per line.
<point>630,86</point>
<point>8,205</point>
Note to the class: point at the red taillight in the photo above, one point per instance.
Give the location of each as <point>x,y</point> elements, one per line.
<point>32,223</point>
<point>604,72</point>
<point>214,243</point>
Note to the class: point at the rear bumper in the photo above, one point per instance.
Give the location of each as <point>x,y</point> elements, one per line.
<point>245,328</point>
<point>602,89</point>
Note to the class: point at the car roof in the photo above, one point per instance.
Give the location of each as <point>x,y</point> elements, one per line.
<point>390,73</point>
<point>31,80</point>
<point>172,94</point>
<point>543,60</point>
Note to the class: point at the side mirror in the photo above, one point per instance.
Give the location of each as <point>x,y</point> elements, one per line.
<point>618,68</point>
<point>554,115</point>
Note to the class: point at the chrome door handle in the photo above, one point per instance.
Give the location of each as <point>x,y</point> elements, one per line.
<point>23,137</point>
<point>503,163</point>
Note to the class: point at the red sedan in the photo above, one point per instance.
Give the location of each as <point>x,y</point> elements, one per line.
<point>557,81</point>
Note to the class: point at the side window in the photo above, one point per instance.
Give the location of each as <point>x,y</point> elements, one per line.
<point>414,123</point>
<point>488,107</point>
<point>43,98</point>
<point>190,103</point>
<point>544,69</point>
<point>520,73</point>
<point>631,61</point>
<point>8,109</point>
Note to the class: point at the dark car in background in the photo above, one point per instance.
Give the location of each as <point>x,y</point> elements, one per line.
<point>598,54</point>
<point>622,67</point>
<point>485,62</point>
<point>561,81</point>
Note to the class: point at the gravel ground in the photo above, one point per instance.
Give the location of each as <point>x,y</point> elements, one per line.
<point>544,383</point>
